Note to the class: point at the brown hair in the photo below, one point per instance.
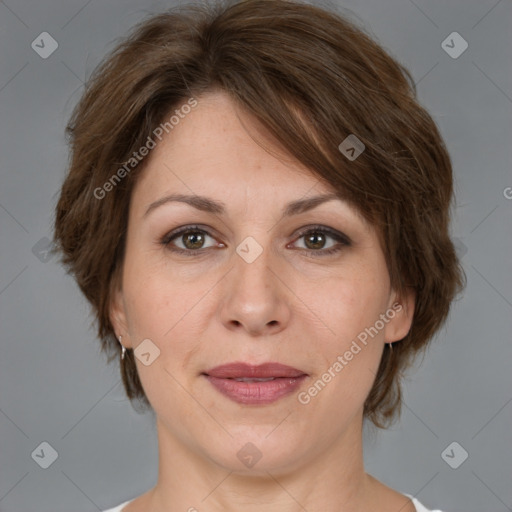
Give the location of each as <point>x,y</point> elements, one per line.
<point>312,78</point>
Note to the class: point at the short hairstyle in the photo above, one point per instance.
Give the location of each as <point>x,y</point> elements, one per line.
<point>312,78</point>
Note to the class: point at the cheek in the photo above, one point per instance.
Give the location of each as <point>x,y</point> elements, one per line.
<point>160,295</point>
<point>145,303</point>
<point>167,312</point>
<point>154,297</point>
<point>349,351</point>
<point>348,305</point>
<point>349,359</point>
<point>157,314</point>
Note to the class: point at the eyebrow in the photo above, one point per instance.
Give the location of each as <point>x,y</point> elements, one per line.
<point>209,205</point>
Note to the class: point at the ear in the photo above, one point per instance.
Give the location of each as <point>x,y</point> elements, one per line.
<point>401,312</point>
<point>117,315</point>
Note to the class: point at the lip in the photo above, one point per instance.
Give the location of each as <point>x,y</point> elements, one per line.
<point>284,380</point>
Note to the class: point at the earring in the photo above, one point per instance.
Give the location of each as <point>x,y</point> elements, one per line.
<point>123,350</point>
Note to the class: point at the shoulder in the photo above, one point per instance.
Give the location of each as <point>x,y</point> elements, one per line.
<point>118,508</point>
<point>419,506</point>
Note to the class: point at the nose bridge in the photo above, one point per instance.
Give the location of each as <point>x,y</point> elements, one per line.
<point>253,272</point>
<point>254,296</point>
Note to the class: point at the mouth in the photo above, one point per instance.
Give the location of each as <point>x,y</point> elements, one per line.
<point>255,385</point>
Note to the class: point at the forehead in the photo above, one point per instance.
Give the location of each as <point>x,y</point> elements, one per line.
<point>214,144</point>
<point>216,150</point>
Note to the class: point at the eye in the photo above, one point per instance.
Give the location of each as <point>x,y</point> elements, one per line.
<point>316,237</point>
<point>191,238</point>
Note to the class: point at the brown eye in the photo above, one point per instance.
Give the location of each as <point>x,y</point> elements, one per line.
<point>193,239</point>
<point>189,240</point>
<point>315,240</point>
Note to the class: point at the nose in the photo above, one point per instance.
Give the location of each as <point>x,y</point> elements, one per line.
<point>255,297</point>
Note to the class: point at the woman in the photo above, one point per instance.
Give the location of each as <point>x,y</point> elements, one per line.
<point>257,208</point>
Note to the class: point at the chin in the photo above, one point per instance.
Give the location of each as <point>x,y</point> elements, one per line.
<point>256,450</point>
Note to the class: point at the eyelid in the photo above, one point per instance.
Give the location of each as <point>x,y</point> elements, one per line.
<point>166,239</point>
<point>337,235</point>
<point>340,237</point>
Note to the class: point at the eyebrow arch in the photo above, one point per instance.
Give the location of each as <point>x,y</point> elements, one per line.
<point>209,205</point>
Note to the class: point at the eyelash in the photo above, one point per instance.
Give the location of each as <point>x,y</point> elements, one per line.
<point>343,240</point>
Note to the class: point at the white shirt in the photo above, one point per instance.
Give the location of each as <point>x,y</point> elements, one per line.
<point>417,504</point>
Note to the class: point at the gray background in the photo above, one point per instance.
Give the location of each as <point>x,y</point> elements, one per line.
<point>55,385</point>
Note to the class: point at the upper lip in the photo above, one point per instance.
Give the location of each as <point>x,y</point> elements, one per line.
<point>238,370</point>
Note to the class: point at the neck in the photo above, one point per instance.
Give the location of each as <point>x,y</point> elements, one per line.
<point>332,481</point>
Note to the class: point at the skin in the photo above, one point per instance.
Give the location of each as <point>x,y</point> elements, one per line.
<point>289,305</point>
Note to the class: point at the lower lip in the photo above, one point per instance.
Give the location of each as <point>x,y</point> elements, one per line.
<point>258,393</point>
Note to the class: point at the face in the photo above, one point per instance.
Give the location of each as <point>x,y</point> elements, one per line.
<point>244,279</point>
